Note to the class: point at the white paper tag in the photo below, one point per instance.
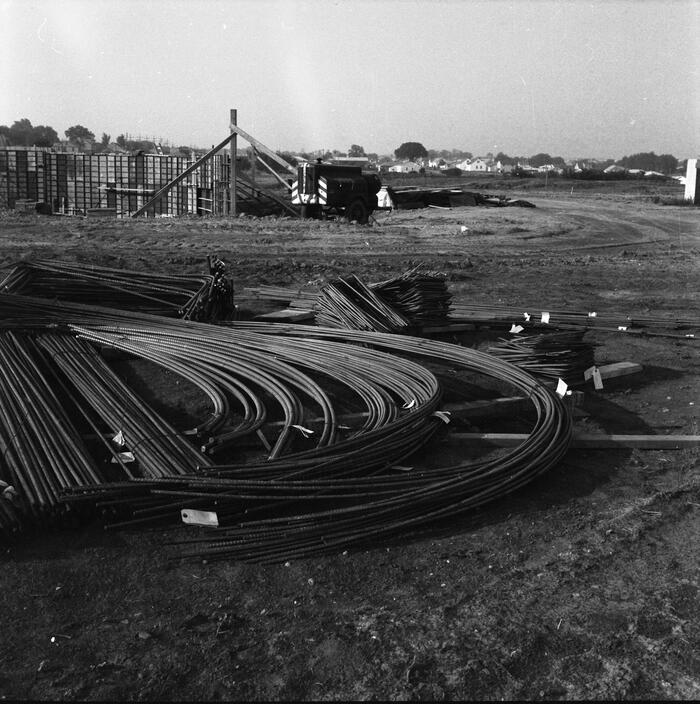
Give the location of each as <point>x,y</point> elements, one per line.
<point>463,228</point>
<point>527,317</point>
<point>562,386</point>
<point>545,317</point>
<point>125,457</point>
<point>118,439</point>
<point>515,329</point>
<point>622,328</point>
<point>410,404</point>
<point>592,315</point>
<point>597,379</point>
<point>199,518</point>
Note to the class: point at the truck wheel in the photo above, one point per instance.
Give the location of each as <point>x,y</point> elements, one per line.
<point>357,210</point>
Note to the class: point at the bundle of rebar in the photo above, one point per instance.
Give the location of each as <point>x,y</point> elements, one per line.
<point>553,355</point>
<point>207,298</point>
<point>349,303</point>
<point>422,297</point>
<point>321,487</point>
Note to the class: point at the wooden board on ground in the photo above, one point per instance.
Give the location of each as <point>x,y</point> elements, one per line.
<point>591,441</point>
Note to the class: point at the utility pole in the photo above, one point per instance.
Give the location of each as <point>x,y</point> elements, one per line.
<point>232,183</point>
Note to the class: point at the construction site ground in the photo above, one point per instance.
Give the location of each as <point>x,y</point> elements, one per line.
<point>586,584</point>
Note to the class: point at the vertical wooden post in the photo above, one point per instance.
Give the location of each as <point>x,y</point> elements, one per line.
<point>232,184</point>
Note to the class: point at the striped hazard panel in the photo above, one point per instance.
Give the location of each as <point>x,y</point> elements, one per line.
<point>322,191</point>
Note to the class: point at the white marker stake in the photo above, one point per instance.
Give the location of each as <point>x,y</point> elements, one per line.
<point>199,518</point>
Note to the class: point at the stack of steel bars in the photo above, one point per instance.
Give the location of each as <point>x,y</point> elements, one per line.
<point>529,316</point>
<point>552,355</point>
<point>421,297</point>
<point>349,303</point>
<point>322,487</point>
<point>206,298</point>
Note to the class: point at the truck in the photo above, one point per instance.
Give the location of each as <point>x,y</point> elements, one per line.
<point>323,189</point>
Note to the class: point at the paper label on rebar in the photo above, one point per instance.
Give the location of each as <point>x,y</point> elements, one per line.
<point>597,379</point>
<point>410,404</point>
<point>199,518</point>
<point>562,387</point>
<point>527,317</point>
<point>515,329</point>
<point>592,315</point>
<point>125,457</point>
<point>118,439</point>
<point>545,317</point>
<point>622,328</point>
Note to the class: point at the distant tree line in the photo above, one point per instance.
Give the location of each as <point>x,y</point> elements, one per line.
<point>22,133</point>
<point>648,161</point>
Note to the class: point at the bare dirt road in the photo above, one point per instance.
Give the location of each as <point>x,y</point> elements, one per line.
<point>586,584</point>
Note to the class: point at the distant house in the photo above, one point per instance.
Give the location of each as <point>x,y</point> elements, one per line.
<point>614,169</point>
<point>502,168</point>
<point>463,165</point>
<point>478,164</point>
<point>405,167</point>
<point>437,163</point>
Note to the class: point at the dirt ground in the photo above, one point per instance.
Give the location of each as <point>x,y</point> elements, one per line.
<point>584,585</point>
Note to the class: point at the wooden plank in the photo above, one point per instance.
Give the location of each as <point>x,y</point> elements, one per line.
<point>590,441</point>
<point>234,148</point>
<point>271,170</point>
<point>261,147</point>
<point>610,371</point>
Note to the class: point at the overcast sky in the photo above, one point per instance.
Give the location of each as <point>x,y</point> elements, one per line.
<point>601,78</point>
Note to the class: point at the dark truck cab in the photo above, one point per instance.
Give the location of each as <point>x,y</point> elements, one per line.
<point>322,189</point>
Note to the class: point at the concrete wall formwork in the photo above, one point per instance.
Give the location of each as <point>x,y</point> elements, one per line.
<point>76,183</point>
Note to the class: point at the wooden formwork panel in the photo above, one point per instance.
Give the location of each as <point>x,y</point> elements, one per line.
<point>82,181</point>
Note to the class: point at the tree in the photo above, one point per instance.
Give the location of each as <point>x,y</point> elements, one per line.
<point>356,150</point>
<point>79,135</point>
<point>411,151</point>
<point>121,141</point>
<point>44,136</point>
<point>105,139</point>
<point>21,132</point>
<point>540,159</point>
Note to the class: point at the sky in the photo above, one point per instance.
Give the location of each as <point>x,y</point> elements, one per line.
<point>601,78</point>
